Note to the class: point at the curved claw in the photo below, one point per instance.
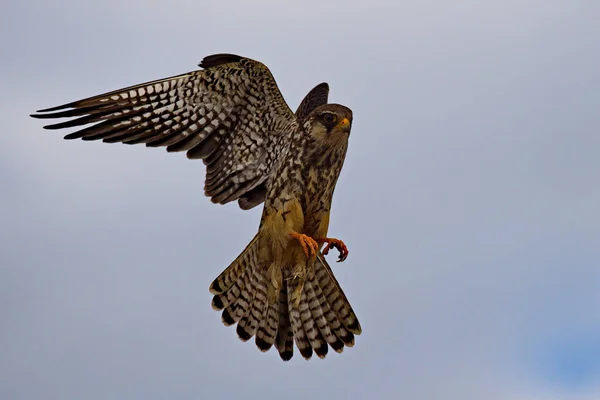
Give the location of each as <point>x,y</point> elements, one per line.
<point>335,244</point>
<point>309,245</point>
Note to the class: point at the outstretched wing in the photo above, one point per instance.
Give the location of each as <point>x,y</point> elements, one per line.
<point>315,98</point>
<point>230,114</point>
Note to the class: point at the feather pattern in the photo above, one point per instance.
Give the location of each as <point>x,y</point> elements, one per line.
<point>300,337</point>
<point>267,330</point>
<point>284,342</point>
<point>249,323</point>
<point>336,298</point>
<point>315,98</point>
<point>230,114</point>
<point>309,303</point>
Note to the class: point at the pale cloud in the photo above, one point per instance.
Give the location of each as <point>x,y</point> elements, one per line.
<point>468,200</point>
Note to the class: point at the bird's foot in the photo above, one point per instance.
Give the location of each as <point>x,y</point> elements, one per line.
<point>337,244</point>
<point>309,245</point>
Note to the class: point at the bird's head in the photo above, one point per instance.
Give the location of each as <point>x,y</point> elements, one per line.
<point>330,123</point>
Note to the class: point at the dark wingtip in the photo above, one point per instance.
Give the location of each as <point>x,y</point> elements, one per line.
<point>61,107</point>
<point>262,344</point>
<point>355,327</point>
<point>215,288</point>
<point>217,303</point>
<point>43,116</point>
<point>286,355</point>
<point>243,335</point>
<point>306,352</point>
<point>337,346</point>
<point>219,59</point>
<point>322,351</point>
<point>348,339</point>
<point>226,318</point>
<point>317,96</point>
<point>322,86</point>
<point>70,136</point>
<point>60,125</point>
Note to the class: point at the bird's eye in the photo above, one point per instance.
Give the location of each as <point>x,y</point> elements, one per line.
<point>329,118</point>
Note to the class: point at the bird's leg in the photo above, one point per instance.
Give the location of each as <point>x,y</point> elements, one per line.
<point>309,245</point>
<point>334,243</point>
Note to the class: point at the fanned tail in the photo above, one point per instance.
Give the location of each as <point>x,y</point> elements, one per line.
<point>259,297</point>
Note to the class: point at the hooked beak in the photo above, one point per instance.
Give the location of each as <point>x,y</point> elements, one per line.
<point>344,125</point>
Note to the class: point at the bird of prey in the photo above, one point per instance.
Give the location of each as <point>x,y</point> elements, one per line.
<point>231,114</point>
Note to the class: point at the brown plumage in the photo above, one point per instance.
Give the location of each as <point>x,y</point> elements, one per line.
<point>279,290</point>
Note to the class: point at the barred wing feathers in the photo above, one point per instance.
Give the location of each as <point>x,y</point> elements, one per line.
<point>230,114</point>
<point>313,99</point>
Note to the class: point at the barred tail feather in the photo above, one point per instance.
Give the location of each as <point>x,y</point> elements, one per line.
<point>300,338</point>
<point>340,336</point>
<point>320,317</point>
<point>249,323</point>
<point>336,297</point>
<point>284,341</point>
<point>308,305</point>
<point>267,330</point>
<point>232,273</point>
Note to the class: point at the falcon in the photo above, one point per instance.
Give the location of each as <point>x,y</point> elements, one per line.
<point>230,114</point>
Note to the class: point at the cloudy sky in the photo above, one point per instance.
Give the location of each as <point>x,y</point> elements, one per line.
<point>469,201</point>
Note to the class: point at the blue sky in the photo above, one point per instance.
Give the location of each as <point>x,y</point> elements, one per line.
<point>469,201</point>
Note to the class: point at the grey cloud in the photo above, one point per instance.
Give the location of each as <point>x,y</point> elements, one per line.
<point>468,200</point>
